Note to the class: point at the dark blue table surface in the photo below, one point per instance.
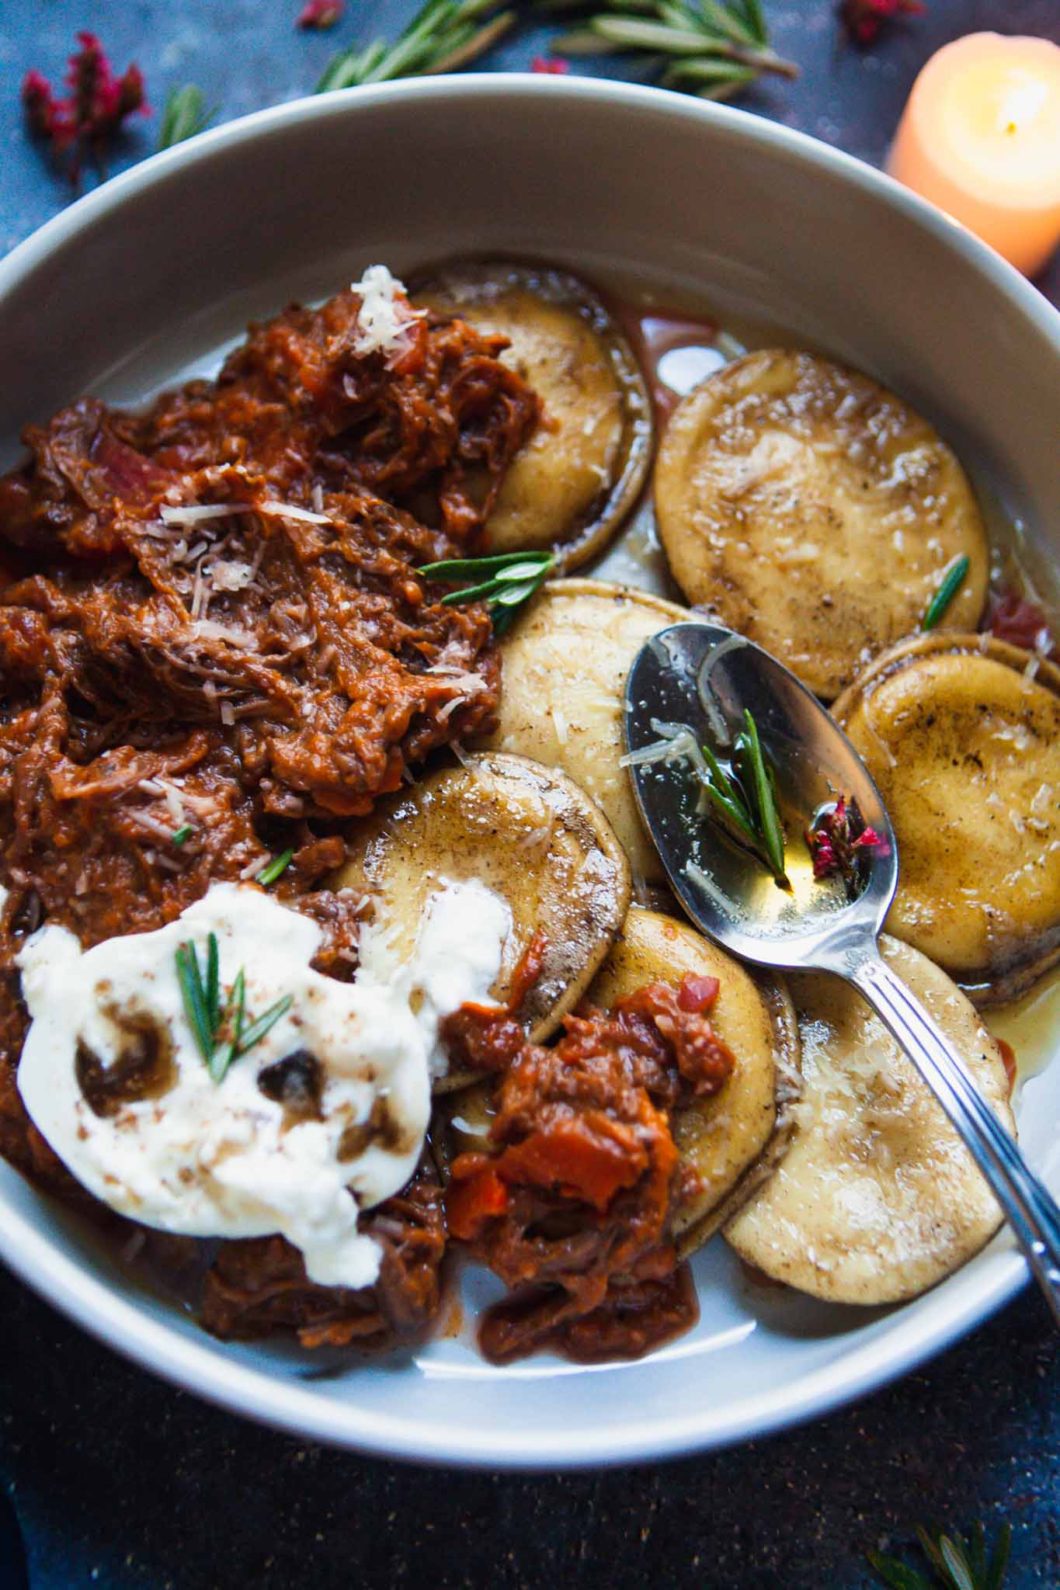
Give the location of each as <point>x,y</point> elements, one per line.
<point>118,1480</point>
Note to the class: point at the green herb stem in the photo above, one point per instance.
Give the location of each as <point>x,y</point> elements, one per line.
<point>234,1016</point>
<point>185,114</point>
<point>712,47</point>
<point>181,835</point>
<point>956,1563</point>
<point>213,982</point>
<point>265,1022</point>
<point>952,581</point>
<point>275,868</point>
<point>194,996</point>
<point>443,36</point>
<point>206,1018</point>
<point>745,801</point>
<point>764,797</point>
<point>504,582</point>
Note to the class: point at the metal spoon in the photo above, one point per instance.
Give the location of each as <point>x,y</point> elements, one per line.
<point>703,675</point>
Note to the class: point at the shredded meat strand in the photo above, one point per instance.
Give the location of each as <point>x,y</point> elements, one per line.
<point>259,1285</point>
<point>253,678</point>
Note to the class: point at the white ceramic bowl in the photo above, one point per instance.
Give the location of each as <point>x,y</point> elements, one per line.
<point>144,280</point>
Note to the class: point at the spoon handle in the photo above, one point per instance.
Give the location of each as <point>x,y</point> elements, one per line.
<point>1028,1205</point>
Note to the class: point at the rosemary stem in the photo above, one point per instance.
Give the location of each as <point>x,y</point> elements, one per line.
<point>477,45</point>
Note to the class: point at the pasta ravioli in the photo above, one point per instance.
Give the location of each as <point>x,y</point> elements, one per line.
<point>297,630</point>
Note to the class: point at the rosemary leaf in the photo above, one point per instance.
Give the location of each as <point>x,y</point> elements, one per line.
<point>456,568</point>
<point>728,40</point>
<point>442,36</point>
<point>235,1012</point>
<point>185,114</point>
<point>181,835</point>
<point>504,582</point>
<point>629,33</point>
<point>717,92</point>
<point>582,42</point>
<point>213,982</point>
<point>732,815</point>
<point>727,21</point>
<point>722,785</point>
<point>897,1575</point>
<point>518,573</point>
<point>265,1022</point>
<point>765,804</point>
<point>707,70</point>
<point>994,1577</point>
<point>512,595</point>
<point>275,868</point>
<point>756,20</point>
<point>477,44</point>
<point>194,997</point>
<point>469,593</point>
<point>238,1004</point>
<point>952,581</point>
<point>957,1564</point>
<point>729,805</point>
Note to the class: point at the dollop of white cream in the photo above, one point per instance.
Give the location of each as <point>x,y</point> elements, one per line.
<point>221,1159</point>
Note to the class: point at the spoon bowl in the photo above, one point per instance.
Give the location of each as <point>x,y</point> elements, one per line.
<point>691,684</point>
<point>703,675</point>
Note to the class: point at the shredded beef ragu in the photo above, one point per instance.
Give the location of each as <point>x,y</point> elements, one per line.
<point>572,1208</point>
<point>284,694</point>
<point>259,1285</point>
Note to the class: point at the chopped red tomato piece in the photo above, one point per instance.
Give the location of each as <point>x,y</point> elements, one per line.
<point>474,1198</point>
<point>697,994</point>
<point>577,1160</point>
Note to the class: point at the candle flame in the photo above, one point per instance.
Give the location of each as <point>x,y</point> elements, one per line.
<point>1020,103</point>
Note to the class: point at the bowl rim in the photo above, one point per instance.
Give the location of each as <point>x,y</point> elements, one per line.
<point>96,1304</point>
<point>726,120</point>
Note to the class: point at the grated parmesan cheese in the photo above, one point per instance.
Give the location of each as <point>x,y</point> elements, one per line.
<point>385,320</point>
<point>207,629</point>
<point>230,574</point>
<point>200,511</point>
<point>289,510</point>
<point>174,803</point>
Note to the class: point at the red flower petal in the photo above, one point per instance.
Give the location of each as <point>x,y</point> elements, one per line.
<point>320,14</point>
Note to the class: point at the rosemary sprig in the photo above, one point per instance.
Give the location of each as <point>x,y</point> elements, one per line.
<point>194,996</point>
<point>712,48</point>
<point>757,778</point>
<point>952,581</point>
<point>275,868</point>
<point>186,113</point>
<point>503,582</point>
<point>209,1020</point>
<point>745,801</point>
<point>443,36</point>
<point>957,1564</point>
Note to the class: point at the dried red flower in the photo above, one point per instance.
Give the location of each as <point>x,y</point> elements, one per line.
<point>863,19</point>
<point>1021,622</point>
<point>321,14</point>
<point>550,65</point>
<point>94,109</point>
<point>835,837</point>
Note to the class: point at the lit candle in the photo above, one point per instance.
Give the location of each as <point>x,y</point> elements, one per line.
<point>980,137</point>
